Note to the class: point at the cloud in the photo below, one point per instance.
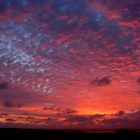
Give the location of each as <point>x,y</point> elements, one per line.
<point>122,120</point>
<point>20,4</point>
<point>134,8</point>
<point>104,121</point>
<point>115,121</point>
<point>39,2</point>
<point>10,104</point>
<point>19,105</point>
<point>3,5</point>
<point>120,113</point>
<point>10,120</point>
<point>138,80</point>
<point>4,114</point>
<point>84,118</point>
<point>102,82</point>
<point>72,7</point>
<point>60,25</point>
<point>70,111</point>
<point>3,86</point>
<point>79,118</point>
<point>51,107</point>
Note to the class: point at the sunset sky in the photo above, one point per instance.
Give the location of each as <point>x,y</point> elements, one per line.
<point>70,64</point>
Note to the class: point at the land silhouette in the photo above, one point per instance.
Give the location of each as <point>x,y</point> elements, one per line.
<point>39,134</point>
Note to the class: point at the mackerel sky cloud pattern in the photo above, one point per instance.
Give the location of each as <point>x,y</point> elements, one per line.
<point>70,64</point>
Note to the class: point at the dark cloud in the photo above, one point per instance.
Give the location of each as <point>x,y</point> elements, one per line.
<point>134,9</point>
<point>70,7</point>
<point>112,29</point>
<point>137,113</point>
<point>10,104</point>
<point>26,113</point>
<point>3,86</point>
<point>66,7</point>
<point>39,2</point>
<point>78,118</point>
<point>50,120</point>
<point>115,121</point>
<point>107,121</point>
<point>19,105</point>
<point>138,80</point>
<point>70,111</point>
<point>35,120</point>
<point>4,114</point>
<point>10,120</point>
<point>126,41</point>
<point>50,107</point>
<point>30,118</point>
<point>97,116</point>
<point>20,4</point>
<point>3,5</point>
<point>84,118</point>
<point>60,25</point>
<point>138,92</point>
<point>83,121</point>
<point>94,19</point>
<point>102,82</point>
<point>122,120</point>
<point>120,113</point>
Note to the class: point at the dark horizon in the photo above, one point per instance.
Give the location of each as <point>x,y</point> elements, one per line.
<point>73,130</point>
<point>34,134</point>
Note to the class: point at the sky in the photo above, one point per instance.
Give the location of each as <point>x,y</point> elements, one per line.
<point>70,64</point>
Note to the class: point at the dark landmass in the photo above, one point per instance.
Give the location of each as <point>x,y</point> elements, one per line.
<point>35,134</point>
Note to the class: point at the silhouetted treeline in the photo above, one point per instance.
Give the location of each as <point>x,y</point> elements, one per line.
<point>34,134</point>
